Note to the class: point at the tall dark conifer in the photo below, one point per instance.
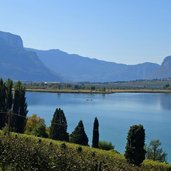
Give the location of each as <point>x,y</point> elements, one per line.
<point>79,136</point>
<point>16,105</point>
<point>58,129</point>
<point>95,139</point>
<point>9,95</point>
<point>3,115</point>
<point>2,95</point>
<point>135,152</point>
<point>22,111</point>
<point>19,108</point>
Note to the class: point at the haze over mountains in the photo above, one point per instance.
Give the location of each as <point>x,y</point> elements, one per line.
<point>19,63</point>
<point>76,68</point>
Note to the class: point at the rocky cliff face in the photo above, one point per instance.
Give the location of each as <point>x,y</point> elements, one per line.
<point>165,69</point>
<point>11,40</point>
<point>167,62</point>
<point>18,64</point>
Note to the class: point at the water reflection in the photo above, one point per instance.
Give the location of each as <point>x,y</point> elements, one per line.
<point>165,101</point>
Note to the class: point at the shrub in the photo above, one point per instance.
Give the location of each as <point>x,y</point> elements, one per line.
<point>104,145</point>
<point>79,149</point>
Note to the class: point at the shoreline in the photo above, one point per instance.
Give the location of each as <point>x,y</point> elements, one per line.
<point>100,92</point>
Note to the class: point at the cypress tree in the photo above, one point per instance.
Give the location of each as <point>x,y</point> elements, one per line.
<point>79,136</point>
<point>3,115</point>
<point>21,122</point>
<point>2,96</point>
<point>58,129</point>
<point>9,95</point>
<point>16,98</point>
<point>95,139</point>
<point>135,152</point>
<point>19,108</point>
<point>15,109</point>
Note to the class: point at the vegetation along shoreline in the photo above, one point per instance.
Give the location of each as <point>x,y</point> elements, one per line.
<point>100,92</point>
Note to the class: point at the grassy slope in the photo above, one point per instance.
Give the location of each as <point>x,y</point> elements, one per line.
<point>89,157</point>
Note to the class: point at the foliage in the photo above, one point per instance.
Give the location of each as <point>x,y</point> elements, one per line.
<point>28,153</point>
<point>58,129</point>
<point>36,126</point>
<point>154,152</point>
<point>9,95</point>
<point>3,119</point>
<point>156,84</point>
<point>40,130</point>
<point>3,116</point>
<point>79,136</point>
<point>135,152</point>
<point>19,108</point>
<point>104,145</point>
<point>95,139</point>
<point>12,111</point>
<point>2,96</point>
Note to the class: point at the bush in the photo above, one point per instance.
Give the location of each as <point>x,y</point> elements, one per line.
<point>79,149</point>
<point>105,145</point>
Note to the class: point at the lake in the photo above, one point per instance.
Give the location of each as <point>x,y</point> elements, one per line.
<point>116,113</point>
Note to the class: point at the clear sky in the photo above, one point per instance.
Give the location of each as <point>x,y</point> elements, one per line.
<point>124,31</point>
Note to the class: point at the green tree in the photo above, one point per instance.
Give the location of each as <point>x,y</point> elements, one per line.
<point>3,114</point>
<point>16,98</point>
<point>154,152</point>
<point>93,88</point>
<point>135,152</point>
<point>79,136</point>
<point>95,139</point>
<point>9,95</point>
<point>2,96</point>
<point>40,129</point>
<point>36,126</point>
<point>19,108</point>
<point>58,129</point>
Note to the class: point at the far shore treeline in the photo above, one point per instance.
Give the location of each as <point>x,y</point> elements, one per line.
<point>13,117</point>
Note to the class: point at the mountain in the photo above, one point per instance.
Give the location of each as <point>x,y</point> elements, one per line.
<point>76,68</point>
<point>19,64</point>
<point>164,71</point>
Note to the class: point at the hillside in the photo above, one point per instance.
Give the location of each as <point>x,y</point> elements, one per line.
<point>25,152</point>
<point>76,68</point>
<point>18,64</point>
<point>165,69</point>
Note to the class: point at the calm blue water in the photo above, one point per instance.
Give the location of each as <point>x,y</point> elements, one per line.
<point>116,113</point>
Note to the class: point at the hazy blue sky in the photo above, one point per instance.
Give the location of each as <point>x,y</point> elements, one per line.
<point>125,31</point>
